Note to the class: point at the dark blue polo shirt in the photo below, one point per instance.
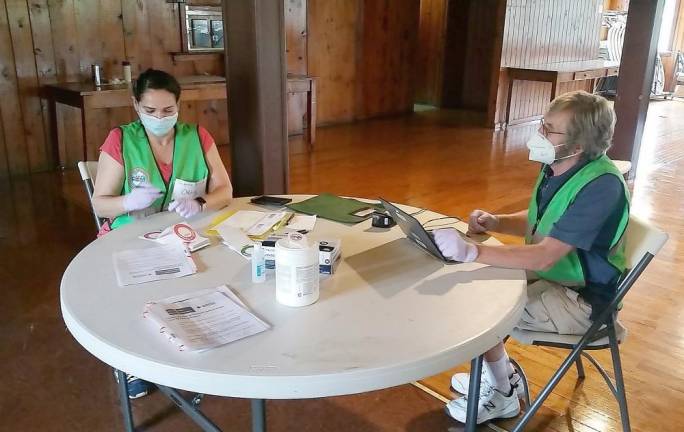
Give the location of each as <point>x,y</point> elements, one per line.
<point>589,224</point>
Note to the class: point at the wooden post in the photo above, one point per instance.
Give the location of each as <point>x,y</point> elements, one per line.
<point>636,76</point>
<point>256,79</point>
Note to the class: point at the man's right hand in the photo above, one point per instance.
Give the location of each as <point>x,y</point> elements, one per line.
<point>141,197</point>
<point>480,221</point>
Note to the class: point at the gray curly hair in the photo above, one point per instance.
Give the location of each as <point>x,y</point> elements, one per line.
<point>592,124</point>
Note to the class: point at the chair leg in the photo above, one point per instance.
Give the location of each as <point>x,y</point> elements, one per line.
<point>620,394</point>
<point>523,379</point>
<point>580,367</point>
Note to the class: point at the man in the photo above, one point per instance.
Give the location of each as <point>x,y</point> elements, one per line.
<point>573,231</point>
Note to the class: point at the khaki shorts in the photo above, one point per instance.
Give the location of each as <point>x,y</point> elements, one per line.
<point>554,308</point>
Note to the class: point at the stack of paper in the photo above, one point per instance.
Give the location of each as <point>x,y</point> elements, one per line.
<point>257,224</point>
<point>236,240</point>
<point>204,319</point>
<point>151,264</point>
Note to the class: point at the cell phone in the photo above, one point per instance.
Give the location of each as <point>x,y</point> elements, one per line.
<point>270,200</point>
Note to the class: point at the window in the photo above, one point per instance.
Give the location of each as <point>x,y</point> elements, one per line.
<point>667,26</point>
<point>203,28</point>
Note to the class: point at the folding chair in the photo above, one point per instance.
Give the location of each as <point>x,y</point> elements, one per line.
<point>88,170</point>
<point>642,243</point>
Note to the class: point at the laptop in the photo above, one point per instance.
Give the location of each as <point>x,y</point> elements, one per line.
<point>415,231</point>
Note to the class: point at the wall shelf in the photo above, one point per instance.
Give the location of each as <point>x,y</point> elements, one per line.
<point>196,56</point>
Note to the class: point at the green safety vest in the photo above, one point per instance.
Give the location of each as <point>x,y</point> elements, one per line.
<point>568,270</point>
<point>140,165</point>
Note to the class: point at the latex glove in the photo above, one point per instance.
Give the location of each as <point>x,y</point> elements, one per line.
<point>481,221</point>
<point>452,245</point>
<point>141,197</point>
<point>186,207</point>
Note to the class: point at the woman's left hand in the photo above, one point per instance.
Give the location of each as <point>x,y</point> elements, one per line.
<point>186,207</point>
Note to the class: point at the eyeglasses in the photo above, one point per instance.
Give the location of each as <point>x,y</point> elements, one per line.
<point>545,130</point>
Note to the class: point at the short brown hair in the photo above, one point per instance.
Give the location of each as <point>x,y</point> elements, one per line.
<point>156,80</point>
<point>592,123</point>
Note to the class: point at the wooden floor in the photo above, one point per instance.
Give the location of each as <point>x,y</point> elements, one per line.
<point>431,159</point>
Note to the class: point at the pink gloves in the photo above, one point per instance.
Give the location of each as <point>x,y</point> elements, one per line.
<point>141,197</point>
<point>453,246</point>
<point>481,221</point>
<point>186,207</point>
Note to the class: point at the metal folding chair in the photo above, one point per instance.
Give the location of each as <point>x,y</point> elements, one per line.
<point>88,170</point>
<point>642,243</point>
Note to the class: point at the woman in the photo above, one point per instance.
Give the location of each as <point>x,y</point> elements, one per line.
<point>156,163</point>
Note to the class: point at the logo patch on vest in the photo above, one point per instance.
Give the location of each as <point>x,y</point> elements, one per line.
<point>138,177</point>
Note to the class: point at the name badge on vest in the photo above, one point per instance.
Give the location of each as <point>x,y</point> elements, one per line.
<point>189,190</point>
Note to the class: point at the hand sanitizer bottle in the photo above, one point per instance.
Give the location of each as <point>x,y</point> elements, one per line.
<point>258,264</point>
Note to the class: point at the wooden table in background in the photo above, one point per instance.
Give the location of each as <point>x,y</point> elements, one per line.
<point>306,84</point>
<point>556,73</point>
<point>88,97</point>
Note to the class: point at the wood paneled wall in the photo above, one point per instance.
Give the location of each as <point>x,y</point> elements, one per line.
<point>459,55</point>
<point>678,29</point>
<point>333,56</point>
<point>545,31</point>
<point>430,55</point>
<point>296,37</point>
<point>363,52</point>
<point>473,53</point>
<point>43,42</point>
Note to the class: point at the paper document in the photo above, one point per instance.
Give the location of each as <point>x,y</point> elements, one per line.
<point>167,236</point>
<point>236,240</point>
<point>151,264</point>
<point>302,222</point>
<point>256,223</point>
<point>204,319</point>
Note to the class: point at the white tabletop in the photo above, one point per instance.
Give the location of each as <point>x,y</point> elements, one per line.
<point>391,314</point>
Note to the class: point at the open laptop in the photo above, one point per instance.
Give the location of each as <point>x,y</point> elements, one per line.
<point>415,231</point>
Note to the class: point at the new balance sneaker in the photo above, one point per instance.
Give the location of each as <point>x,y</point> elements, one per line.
<point>492,405</point>
<point>460,383</point>
<point>137,387</point>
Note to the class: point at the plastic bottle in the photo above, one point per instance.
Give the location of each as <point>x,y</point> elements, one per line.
<point>126,71</point>
<point>258,264</point>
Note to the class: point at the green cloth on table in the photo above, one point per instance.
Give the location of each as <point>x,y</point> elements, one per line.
<point>335,208</point>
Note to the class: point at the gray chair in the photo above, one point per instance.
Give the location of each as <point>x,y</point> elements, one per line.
<point>88,170</point>
<point>642,243</point>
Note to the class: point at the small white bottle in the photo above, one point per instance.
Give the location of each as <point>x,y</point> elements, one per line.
<point>258,264</point>
<point>126,71</point>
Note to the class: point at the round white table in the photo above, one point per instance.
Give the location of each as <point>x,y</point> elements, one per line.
<point>389,315</point>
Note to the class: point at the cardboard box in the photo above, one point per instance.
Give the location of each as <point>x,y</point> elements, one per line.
<point>329,252</point>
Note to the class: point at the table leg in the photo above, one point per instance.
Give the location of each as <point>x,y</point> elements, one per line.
<point>258,415</point>
<point>555,88</point>
<point>473,394</point>
<point>311,113</point>
<point>189,408</point>
<point>509,92</point>
<point>54,135</point>
<point>125,402</point>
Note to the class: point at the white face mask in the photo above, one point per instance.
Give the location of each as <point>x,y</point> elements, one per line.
<point>542,150</point>
<point>158,126</point>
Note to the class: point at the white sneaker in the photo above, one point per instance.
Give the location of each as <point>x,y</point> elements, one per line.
<point>492,405</point>
<point>460,383</point>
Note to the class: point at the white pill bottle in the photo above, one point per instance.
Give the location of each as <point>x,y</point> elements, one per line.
<point>297,274</point>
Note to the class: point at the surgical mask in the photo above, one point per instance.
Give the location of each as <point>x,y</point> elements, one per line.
<point>542,150</point>
<point>158,126</point>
